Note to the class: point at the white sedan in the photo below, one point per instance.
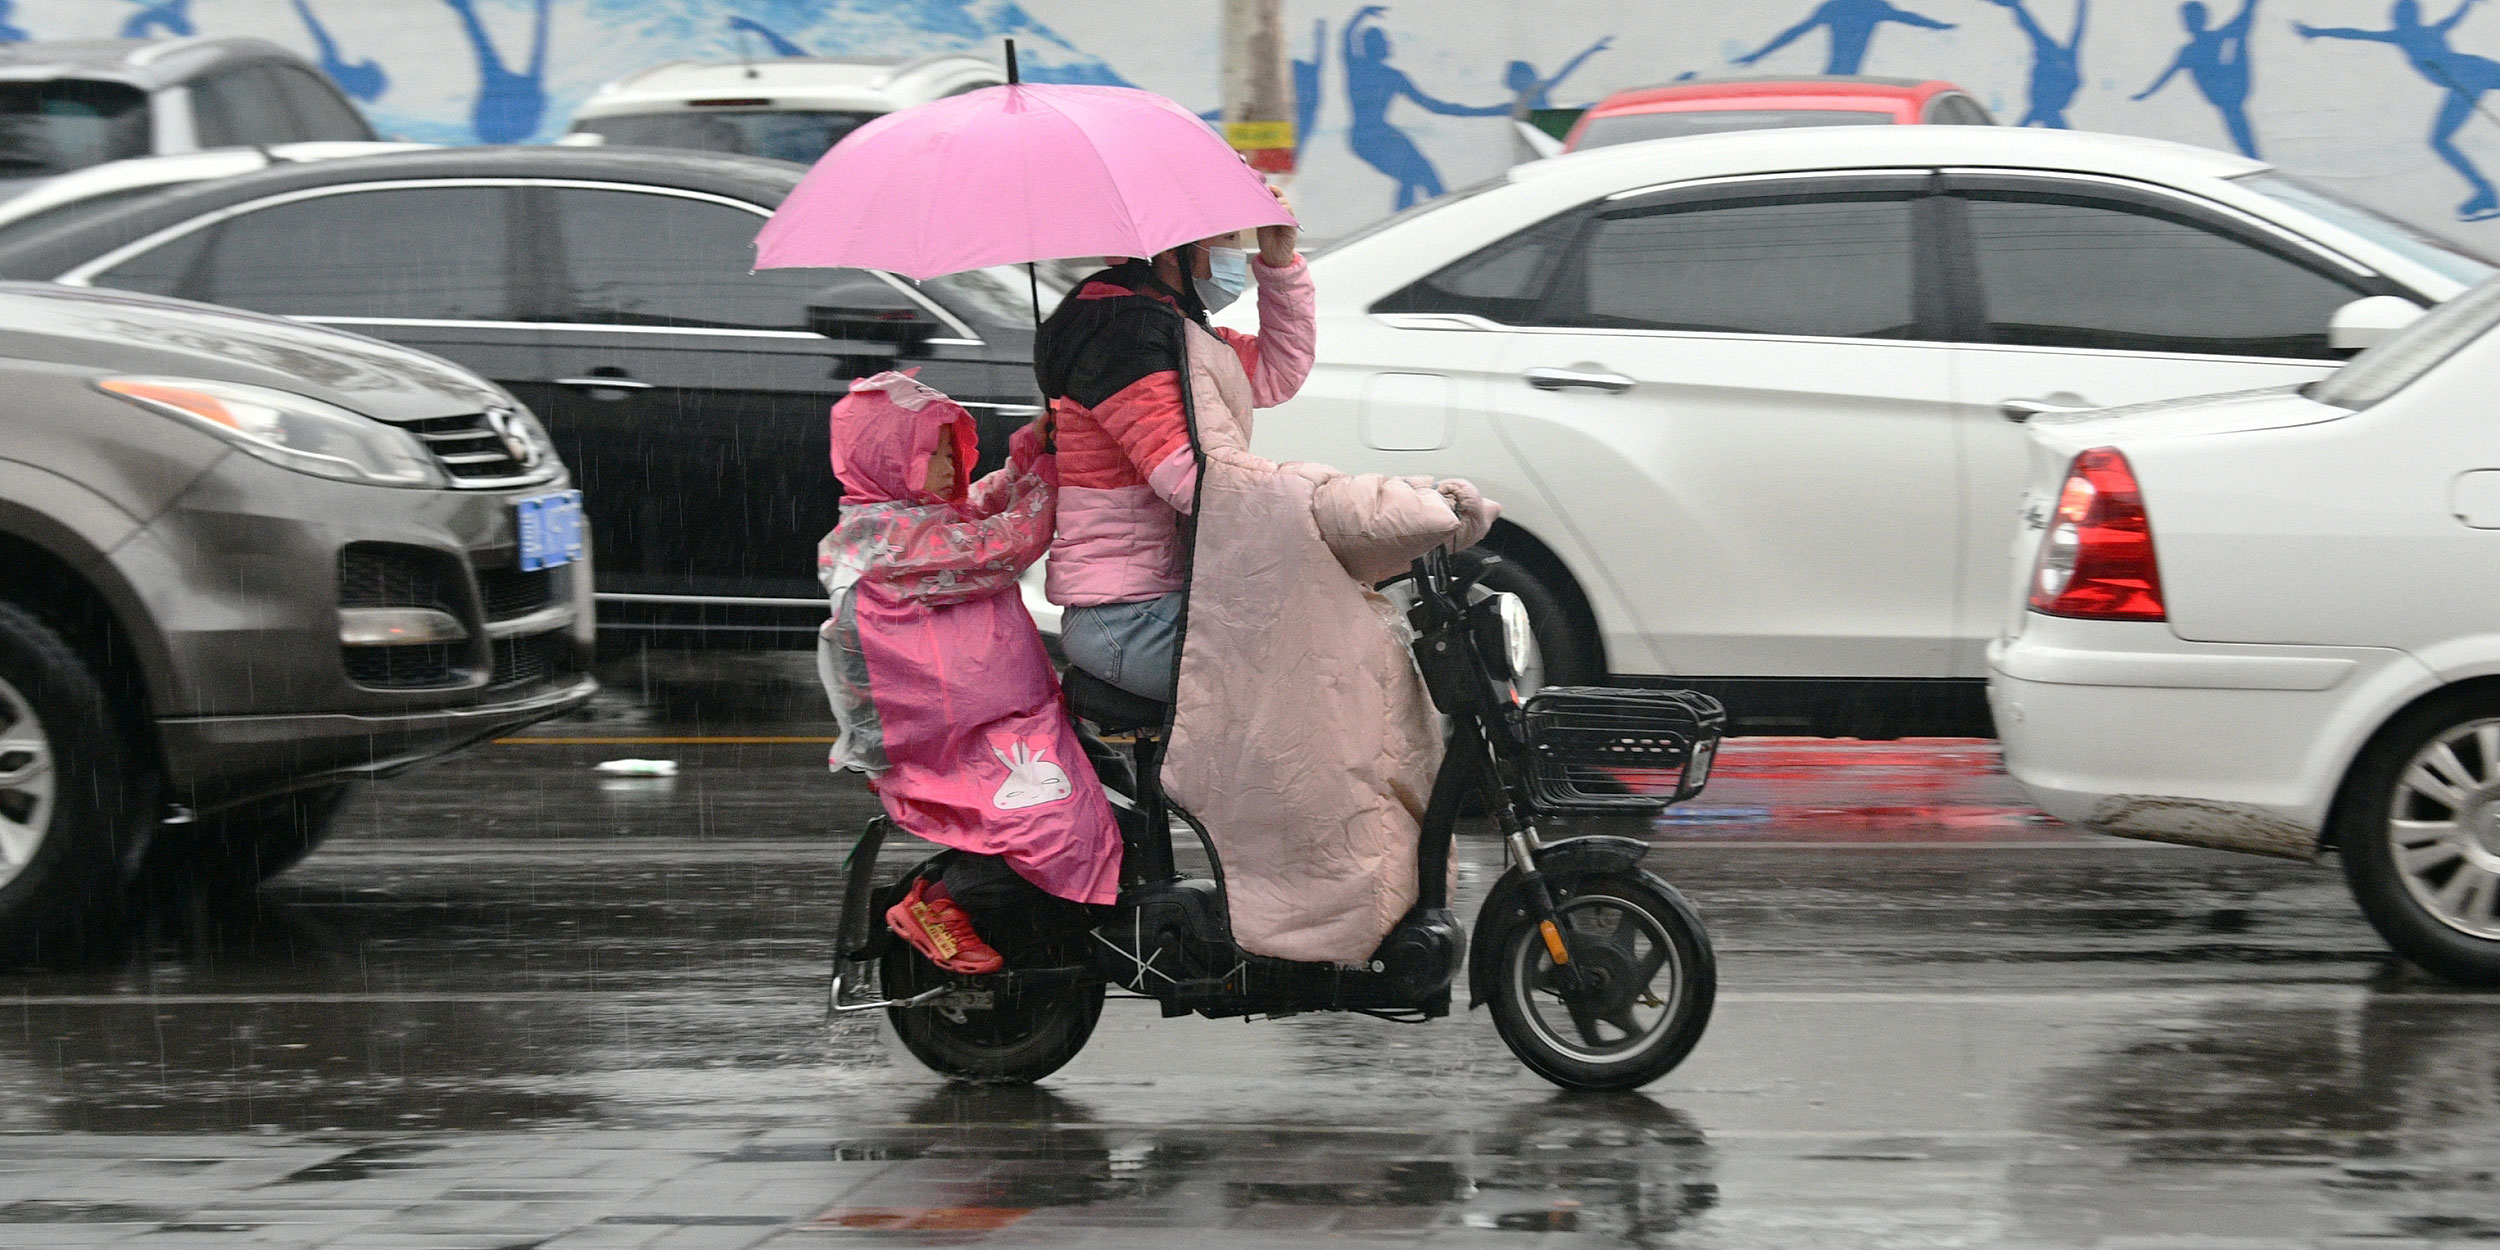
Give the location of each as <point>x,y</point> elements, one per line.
<point>2271,622</point>
<point>1750,402</point>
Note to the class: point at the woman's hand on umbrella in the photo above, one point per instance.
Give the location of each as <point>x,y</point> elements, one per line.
<point>1276,243</point>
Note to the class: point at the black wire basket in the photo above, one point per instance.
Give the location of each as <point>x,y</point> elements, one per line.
<point>1598,750</point>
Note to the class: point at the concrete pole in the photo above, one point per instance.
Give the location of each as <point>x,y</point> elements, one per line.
<point>1258,90</point>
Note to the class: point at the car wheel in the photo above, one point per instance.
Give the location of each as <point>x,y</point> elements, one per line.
<point>2418,826</point>
<point>1564,654</point>
<point>240,847</point>
<point>73,797</point>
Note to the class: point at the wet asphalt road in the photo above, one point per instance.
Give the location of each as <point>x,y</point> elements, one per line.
<point>514,1004</point>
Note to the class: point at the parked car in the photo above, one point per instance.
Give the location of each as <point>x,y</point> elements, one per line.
<point>610,290</point>
<point>244,561</point>
<point>1716,105</point>
<point>56,201</point>
<point>789,108</point>
<point>1750,402</point>
<point>2263,622</point>
<point>73,104</point>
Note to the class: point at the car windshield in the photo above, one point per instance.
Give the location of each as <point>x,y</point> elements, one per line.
<point>69,123</point>
<point>2449,260</point>
<point>1612,128</point>
<point>781,134</point>
<point>2411,352</point>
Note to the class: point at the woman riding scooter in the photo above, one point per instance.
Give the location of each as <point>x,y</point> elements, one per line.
<point>1239,590</point>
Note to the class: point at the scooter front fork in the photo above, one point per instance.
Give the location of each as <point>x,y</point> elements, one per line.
<point>1523,845</point>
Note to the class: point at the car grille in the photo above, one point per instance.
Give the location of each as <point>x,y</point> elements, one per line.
<point>522,660</point>
<point>378,575</point>
<point>473,451</point>
<point>405,668</point>
<point>512,592</point>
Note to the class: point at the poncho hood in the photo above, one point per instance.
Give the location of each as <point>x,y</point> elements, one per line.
<point>884,433</point>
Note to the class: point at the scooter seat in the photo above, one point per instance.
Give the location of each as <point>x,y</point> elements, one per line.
<point>1111,709</point>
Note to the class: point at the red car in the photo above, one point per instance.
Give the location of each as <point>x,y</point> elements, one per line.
<point>1708,106</point>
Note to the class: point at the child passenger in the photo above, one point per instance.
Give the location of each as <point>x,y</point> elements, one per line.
<point>944,694</point>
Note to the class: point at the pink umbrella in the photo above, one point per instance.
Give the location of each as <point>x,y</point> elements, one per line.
<point>1018,173</point>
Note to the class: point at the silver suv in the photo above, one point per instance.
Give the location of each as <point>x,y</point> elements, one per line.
<point>789,108</point>
<point>76,103</point>
<point>244,561</point>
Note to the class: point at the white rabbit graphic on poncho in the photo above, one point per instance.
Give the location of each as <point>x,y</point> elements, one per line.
<point>1031,780</point>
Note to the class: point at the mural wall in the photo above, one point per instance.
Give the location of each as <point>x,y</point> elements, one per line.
<point>1398,102</point>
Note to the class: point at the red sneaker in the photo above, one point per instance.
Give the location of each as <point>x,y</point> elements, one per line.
<point>940,931</point>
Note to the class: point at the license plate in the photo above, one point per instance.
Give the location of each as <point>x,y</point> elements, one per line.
<point>551,529</point>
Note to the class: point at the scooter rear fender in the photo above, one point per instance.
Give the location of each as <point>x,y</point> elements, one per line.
<point>1507,902</point>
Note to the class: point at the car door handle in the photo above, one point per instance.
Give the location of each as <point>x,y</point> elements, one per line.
<point>2021,410</point>
<point>606,384</point>
<point>1573,379</point>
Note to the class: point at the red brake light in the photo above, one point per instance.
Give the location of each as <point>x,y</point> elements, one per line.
<point>2096,561</point>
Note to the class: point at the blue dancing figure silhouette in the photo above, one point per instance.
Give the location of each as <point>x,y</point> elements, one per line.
<point>509,105</point>
<point>363,80</point>
<point>1852,24</point>
<point>1537,91</point>
<point>172,17</point>
<point>2464,76</point>
<point>11,32</point>
<point>2216,59</point>
<point>1371,86</point>
<point>772,38</point>
<point>2056,68</point>
<point>1306,85</point>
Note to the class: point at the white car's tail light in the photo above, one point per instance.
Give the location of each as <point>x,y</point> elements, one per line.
<point>2097,560</point>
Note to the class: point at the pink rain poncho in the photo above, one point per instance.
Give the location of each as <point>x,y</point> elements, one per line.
<point>937,676</point>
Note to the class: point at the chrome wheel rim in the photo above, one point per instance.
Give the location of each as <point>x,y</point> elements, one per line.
<point>27,781</point>
<point>2443,828</point>
<point>1642,973</point>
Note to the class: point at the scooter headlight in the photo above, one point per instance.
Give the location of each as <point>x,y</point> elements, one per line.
<point>1518,637</point>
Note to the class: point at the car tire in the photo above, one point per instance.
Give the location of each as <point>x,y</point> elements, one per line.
<point>2430,885</point>
<point>1566,653</point>
<point>75,798</point>
<point>240,847</point>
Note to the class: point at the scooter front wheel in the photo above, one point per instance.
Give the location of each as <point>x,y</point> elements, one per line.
<point>1636,997</point>
<point>1019,1038</point>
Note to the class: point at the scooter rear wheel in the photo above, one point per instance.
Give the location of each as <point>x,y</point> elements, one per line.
<point>1021,1039</point>
<point>1647,977</point>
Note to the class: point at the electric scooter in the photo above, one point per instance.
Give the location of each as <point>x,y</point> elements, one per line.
<point>1598,974</point>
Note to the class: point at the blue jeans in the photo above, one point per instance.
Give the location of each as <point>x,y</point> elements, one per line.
<point>1130,645</point>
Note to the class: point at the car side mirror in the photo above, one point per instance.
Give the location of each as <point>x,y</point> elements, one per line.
<point>866,309</point>
<point>2366,323</point>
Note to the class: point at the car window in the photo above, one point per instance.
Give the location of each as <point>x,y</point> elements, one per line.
<point>162,270</point>
<point>789,135</point>
<point>639,258</point>
<point>2445,257</point>
<point>425,252</point>
<point>65,124</point>
<point>1832,266</point>
<point>1502,282</point>
<point>1607,129</point>
<point>2058,272</point>
<point>320,111</point>
<point>240,107</point>
<point>72,211</point>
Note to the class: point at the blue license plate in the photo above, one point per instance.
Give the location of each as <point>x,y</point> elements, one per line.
<point>551,529</point>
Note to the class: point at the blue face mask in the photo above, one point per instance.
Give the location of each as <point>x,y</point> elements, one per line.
<point>1228,276</point>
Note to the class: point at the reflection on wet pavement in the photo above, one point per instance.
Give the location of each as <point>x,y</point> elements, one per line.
<point>516,1004</point>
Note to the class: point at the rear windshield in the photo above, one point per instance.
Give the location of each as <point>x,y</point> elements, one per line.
<point>786,136</point>
<point>2448,259</point>
<point>1612,128</point>
<point>69,123</point>
<point>2415,350</point>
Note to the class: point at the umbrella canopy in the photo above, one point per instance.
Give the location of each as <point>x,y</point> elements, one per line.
<point>1018,173</point>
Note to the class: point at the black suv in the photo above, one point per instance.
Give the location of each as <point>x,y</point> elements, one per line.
<point>244,561</point>
<point>613,291</point>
